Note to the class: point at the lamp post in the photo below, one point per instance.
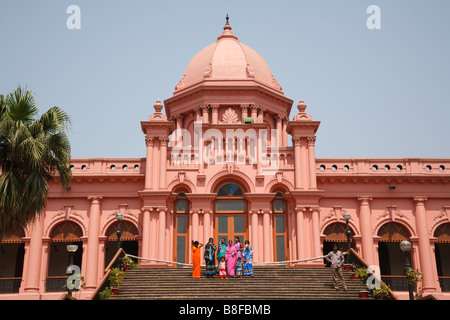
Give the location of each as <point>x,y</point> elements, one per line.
<point>347,217</point>
<point>405,246</point>
<point>119,217</point>
<point>72,248</point>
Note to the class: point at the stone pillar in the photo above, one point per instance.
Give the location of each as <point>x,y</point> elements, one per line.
<point>316,233</point>
<point>206,226</point>
<point>163,162</point>
<point>146,233</point>
<point>284,135</point>
<point>425,256</point>
<point>153,233</point>
<point>254,111</point>
<point>205,113</point>
<point>93,242</point>
<point>300,234</point>
<point>194,225</point>
<point>267,236</point>
<point>179,125</point>
<point>214,113</point>
<point>244,111</point>
<point>32,278</point>
<point>149,163</point>
<point>162,234</point>
<point>312,163</point>
<point>297,158</point>
<point>254,240</point>
<point>365,225</point>
<point>279,120</point>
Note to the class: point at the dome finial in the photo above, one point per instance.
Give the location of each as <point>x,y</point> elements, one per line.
<point>227,18</point>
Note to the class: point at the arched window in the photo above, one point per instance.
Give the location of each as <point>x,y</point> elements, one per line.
<point>230,198</point>
<point>128,231</point>
<point>442,233</point>
<point>181,203</point>
<point>393,232</point>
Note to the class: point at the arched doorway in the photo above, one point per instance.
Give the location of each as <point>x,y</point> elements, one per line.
<point>63,234</point>
<point>12,251</point>
<point>336,233</point>
<point>128,240</point>
<point>442,254</point>
<point>390,257</point>
<point>230,213</point>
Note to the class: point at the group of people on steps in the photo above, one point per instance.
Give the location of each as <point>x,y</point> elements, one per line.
<point>233,260</point>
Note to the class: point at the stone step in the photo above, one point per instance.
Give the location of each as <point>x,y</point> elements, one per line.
<point>268,284</point>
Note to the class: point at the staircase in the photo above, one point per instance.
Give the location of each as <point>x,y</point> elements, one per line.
<point>269,283</point>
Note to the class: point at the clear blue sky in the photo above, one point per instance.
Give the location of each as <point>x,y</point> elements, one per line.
<point>377,93</point>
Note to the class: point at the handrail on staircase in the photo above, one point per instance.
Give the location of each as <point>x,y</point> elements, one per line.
<point>361,261</point>
<point>115,261</point>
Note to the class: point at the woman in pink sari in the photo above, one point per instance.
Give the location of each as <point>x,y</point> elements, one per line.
<point>231,258</point>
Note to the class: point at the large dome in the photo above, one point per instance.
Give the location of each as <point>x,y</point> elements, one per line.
<point>227,59</point>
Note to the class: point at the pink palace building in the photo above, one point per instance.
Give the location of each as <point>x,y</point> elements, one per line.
<point>224,159</point>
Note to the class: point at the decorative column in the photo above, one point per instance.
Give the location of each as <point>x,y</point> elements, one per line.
<point>316,233</point>
<point>297,168</point>
<point>284,132</point>
<point>163,162</point>
<point>300,233</point>
<point>149,163</point>
<point>93,242</point>
<point>267,235</point>
<point>254,111</point>
<point>365,225</point>
<point>194,225</point>
<point>214,113</point>
<point>146,233</point>
<point>425,256</point>
<point>162,233</point>
<point>279,119</point>
<point>179,125</point>
<point>205,113</point>
<point>206,225</point>
<point>312,162</point>
<point>254,240</point>
<point>244,111</point>
<point>32,278</point>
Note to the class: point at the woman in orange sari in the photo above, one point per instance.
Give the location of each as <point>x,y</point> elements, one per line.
<point>196,259</point>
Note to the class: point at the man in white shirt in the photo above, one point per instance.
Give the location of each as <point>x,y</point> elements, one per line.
<point>336,258</point>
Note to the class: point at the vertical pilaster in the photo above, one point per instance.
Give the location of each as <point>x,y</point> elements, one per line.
<point>93,242</point>
<point>34,257</point>
<point>366,230</point>
<point>425,256</point>
<point>163,162</point>
<point>312,162</point>
<point>297,168</point>
<point>149,163</point>
<point>162,232</point>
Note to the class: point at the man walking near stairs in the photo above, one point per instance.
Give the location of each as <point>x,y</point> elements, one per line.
<point>336,258</point>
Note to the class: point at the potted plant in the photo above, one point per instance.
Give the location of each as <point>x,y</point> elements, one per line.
<point>362,275</point>
<point>105,294</point>
<point>347,266</point>
<point>381,293</point>
<point>129,263</point>
<point>115,277</point>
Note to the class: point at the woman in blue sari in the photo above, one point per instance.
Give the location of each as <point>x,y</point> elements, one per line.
<point>247,254</point>
<point>210,261</point>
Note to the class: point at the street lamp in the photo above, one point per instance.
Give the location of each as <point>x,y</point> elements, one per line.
<point>72,248</point>
<point>405,246</point>
<point>119,217</point>
<point>347,217</point>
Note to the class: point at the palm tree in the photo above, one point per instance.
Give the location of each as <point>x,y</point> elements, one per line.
<point>33,151</point>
